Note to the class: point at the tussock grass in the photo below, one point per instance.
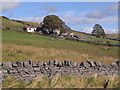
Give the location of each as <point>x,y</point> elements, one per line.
<point>64,82</point>
<point>11,82</point>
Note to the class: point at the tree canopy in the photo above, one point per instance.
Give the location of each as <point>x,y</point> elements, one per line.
<point>98,31</point>
<point>52,22</point>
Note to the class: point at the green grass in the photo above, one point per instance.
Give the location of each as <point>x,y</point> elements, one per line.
<point>113,35</point>
<point>93,38</point>
<point>32,23</point>
<point>11,24</point>
<point>24,46</point>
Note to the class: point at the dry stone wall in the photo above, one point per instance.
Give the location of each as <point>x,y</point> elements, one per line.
<point>93,42</point>
<point>28,70</point>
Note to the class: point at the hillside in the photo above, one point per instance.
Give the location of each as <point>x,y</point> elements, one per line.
<point>30,46</point>
<point>18,25</point>
<point>23,46</point>
<point>9,23</point>
<point>27,23</point>
<point>89,37</point>
<point>113,35</point>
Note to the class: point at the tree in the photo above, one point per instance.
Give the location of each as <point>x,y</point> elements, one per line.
<point>52,22</point>
<point>98,31</point>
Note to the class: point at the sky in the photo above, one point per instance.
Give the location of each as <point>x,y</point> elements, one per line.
<point>80,16</point>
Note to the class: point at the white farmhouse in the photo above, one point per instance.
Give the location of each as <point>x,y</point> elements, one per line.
<point>30,29</point>
<point>57,31</point>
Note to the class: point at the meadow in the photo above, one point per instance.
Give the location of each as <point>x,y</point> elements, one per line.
<point>21,46</point>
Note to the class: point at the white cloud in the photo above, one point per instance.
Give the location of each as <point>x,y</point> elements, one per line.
<point>9,4</point>
<point>107,30</point>
<point>113,8</point>
<point>68,13</point>
<point>111,31</point>
<point>87,30</point>
<point>84,20</point>
<point>96,14</point>
<point>77,20</point>
<point>109,20</point>
<point>103,13</point>
<point>32,19</point>
<point>50,9</point>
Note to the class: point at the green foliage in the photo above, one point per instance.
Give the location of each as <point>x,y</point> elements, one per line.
<point>98,31</point>
<point>52,22</point>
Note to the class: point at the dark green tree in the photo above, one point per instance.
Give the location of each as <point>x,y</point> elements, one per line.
<point>52,22</point>
<point>98,31</point>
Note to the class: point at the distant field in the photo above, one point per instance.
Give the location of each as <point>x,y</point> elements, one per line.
<point>32,23</point>
<point>19,46</point>
<point>113,35</point>
<point>93,38</point>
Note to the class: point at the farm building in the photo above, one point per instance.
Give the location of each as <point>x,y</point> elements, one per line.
<point>30,28</point>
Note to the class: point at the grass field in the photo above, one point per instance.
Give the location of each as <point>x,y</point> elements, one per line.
<point>93,38</point>
<point>23,46</point>
<point>13,24</point>
<point>113,35</point>
<point>10,24</point>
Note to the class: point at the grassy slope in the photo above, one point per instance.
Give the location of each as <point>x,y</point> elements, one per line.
<point>24,46</point>
<point>14,24</point>
<point>10,23</point>
<point>93,38</point>
<point>113,35</point>
<point>32,23</point>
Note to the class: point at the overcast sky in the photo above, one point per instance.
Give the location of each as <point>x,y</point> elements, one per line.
<point>81,16</point>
